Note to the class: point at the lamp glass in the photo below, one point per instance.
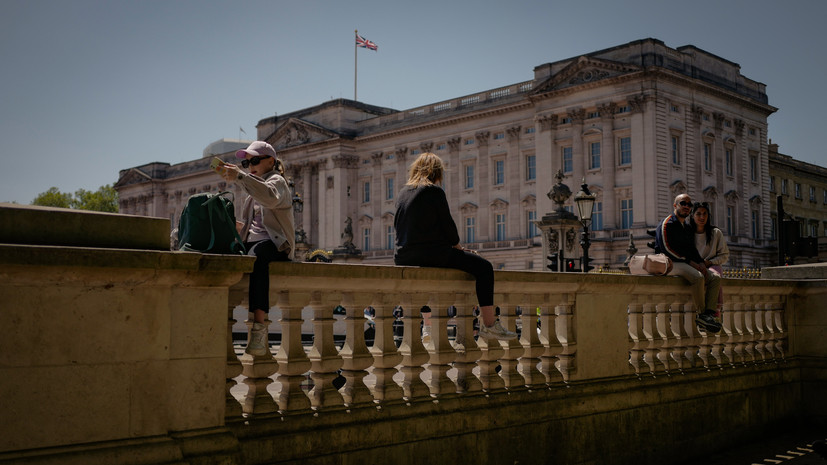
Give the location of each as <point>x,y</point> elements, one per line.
<point>585,205</point>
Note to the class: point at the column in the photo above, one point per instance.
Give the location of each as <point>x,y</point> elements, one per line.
<point>378,180</point>
<point>608,166</point>
<point>456,178</point>
<point>578,158</point>
<point>516,229</point>
<point>641,176</point>
<point>483,186</point>
<point>548,160</point>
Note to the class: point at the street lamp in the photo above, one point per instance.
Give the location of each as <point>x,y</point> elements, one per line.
<point>585,206</point>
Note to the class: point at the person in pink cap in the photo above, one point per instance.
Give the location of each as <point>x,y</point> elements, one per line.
<point>266,226</point>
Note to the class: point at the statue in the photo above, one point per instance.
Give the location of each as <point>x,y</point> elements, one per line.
<point>347,235</point>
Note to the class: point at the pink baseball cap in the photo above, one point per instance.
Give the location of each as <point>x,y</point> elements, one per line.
<point>257,148</point>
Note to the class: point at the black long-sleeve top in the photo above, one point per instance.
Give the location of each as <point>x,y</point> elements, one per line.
<point>423,221</point>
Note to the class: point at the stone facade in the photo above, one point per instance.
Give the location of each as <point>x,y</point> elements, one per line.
<point>803,188</point>
<point>640,122</point>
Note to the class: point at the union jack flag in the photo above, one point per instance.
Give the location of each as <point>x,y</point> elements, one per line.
<point>365,43</point>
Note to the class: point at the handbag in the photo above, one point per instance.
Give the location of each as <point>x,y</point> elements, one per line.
<point>654,264</point>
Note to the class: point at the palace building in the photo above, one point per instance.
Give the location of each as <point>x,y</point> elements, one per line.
<point>639,122</point>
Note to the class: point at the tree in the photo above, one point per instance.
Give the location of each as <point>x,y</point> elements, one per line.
<point>53,198</point>
<point>105,199</point>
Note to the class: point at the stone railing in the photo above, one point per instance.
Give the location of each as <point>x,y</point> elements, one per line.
<point>575,328</point>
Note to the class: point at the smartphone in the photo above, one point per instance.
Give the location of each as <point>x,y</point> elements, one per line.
<point>215,163</point>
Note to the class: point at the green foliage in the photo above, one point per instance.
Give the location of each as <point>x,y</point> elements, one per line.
<point>105,199</point>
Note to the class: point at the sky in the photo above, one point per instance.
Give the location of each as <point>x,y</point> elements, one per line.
<point>90,87</point>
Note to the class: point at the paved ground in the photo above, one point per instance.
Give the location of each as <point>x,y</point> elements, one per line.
<point>792,447</point>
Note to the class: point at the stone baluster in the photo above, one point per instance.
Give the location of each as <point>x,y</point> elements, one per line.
<point>467,351</point>
<point>760,334</point>
<point>385,354</point>
<point>649,332</point>
<point>677,339</point>
<point>564,327</point>
<point>690,334</point>
<point>232,408</point>
<point>548,338</point>
<point>780,329</point>
<point>769,330</point>
<point>749,331</point>
<point>293,361</point>
<point>530,340</point>
<point>325,361</point>
<point>638,340</point>
<point>355,355</point>
<point>488,362</point>
<point>412,350</point>
<point>512,350</point>
<point>727,333</point>
<point>739,333</point>
<point>442,353</point>
<point>662,326</point>
<point>257,370</point>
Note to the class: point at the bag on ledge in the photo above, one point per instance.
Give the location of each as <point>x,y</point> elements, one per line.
<point>207,225</point>
<point>656,264</point>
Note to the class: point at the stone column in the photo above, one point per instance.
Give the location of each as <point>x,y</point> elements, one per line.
<point>578,158</point>
<point>608,166</point>
<point>548,160</point>
<point>694,152</point>
<point>376,232</point>
<point>309,201</point>
<point>639,162</point>
<point>514,181</point>
<point>483,185</point>
<point>456,178</point>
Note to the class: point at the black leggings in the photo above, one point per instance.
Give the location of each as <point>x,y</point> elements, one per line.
<point>457,259</point>
<point>265,252</point>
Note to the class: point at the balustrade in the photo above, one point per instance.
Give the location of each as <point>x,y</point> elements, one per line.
<point>658,315</point>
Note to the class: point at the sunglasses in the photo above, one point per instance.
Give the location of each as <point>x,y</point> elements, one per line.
<point>252,161</point>
<point>685,204</point>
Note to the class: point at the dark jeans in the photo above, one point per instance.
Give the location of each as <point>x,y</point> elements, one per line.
<point>265,252</point>
<point>450,257</point>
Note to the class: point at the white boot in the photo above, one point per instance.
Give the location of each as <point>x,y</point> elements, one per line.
<point>258,343</point>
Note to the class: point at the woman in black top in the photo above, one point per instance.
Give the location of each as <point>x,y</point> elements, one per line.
<point>426,235</point>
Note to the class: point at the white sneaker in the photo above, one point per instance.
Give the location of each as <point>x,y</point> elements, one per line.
<point>258,344</point>
<point>426,334</point>
<point>496,332</point>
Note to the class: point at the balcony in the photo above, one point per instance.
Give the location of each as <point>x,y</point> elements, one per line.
<point>125,355</point>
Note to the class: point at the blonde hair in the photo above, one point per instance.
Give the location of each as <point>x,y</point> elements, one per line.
<point>427,169</point>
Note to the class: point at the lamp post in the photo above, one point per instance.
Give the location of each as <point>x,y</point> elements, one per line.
<point>585,206</point>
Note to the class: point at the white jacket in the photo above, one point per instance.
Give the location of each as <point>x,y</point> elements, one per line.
<point>273,194</point>
<point>716,251</point>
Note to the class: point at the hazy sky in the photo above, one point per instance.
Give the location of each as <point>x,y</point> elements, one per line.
<point>88,88</point>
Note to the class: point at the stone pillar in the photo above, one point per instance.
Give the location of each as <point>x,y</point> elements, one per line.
<point>483,185</point>
<point>376,232</point>
<point>456,178</point>
<point>608,166</point>
<point>548,160</point>
<point>694,152</point>
<point>578,158</point>
<point>639,168</point>
<point>514,181</point>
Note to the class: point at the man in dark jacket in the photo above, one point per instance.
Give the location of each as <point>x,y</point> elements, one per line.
<point>675,239</point>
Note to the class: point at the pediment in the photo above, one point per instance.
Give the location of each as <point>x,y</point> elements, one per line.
<point>584,70</point>
<point>294,132</point>
<point>499,204</point>
<point>133,176</point>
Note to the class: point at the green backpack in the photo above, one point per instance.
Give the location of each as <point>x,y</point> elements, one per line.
<point>207,225</point>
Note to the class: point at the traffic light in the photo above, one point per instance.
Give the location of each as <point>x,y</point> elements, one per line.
<point>586,266</point>
<point>570,265</point>
<point>552,262</point>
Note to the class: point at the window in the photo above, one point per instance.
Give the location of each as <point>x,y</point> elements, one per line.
<point>824,193</point>
<point>625,151</point>
<point>594,155</point>
<point>798,190</point>
<point>470,230</point>
<point>531,227</point>
<point>676,150</point>
<point>593,114</point>
<point>674,108</point>
<point>390,235</point>
<point>568,164</point>
<point>784,186</point>
<point>366,192</point>
<point>366,239</point>
<point>469,176</point>
<point>752,131</point>
<point>468,142</point>
<point>499,136</point>
<point>597,217</point>
<point>626,214</point>
<point>389,189</point>
<point>500,222</point>
<point>728,162</point>
<point>529,130</point>
<point>530,168</point>
<point>440,147</point>
<point>774,226</point>
<point>813,229</point>
<point>812,194</point>
<point>754,225</point>
<point>753,168</point>
<point>729,220</point>
<point>499,172</point>
<point>772,183</point>
<point>624,109</point>
<point>708,157</point>
<point>566,120</point>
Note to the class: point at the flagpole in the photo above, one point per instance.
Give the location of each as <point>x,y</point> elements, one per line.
<point>355,64</point>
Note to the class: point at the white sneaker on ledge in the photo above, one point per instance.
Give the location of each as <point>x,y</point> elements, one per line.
<point>426,334</point>
<point>259,343</point>
<point>496,332</point>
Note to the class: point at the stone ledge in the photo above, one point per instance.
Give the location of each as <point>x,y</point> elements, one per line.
<point>27,224</point>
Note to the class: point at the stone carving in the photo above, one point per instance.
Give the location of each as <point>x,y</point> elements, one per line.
<point>453,144</point>
<point>553,243</point>
<point>559,192</point>
<point>347,235</point>
<point>588,75</point>
<point>547,122</point>
<point>571,235</point>
<point>426,146</point>
<point>482,137</point>
<point>577,116</point>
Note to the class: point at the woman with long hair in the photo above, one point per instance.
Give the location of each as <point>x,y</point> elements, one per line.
<point>710,243</point>
<point>426,235</point>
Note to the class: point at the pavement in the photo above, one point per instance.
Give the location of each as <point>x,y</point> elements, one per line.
<point>793,446</point>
